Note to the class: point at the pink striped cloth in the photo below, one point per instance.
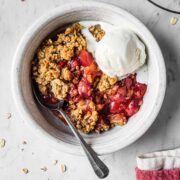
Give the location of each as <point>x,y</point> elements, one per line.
<point>162,165</point>
<point>172,174</point>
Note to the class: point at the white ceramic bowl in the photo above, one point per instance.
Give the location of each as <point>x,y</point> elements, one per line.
<point>54,132</point>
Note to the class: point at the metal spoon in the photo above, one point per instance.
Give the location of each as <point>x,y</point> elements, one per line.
<point>98,166</point>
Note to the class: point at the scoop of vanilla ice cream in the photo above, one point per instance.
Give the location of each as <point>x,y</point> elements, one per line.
<point>120,52</point>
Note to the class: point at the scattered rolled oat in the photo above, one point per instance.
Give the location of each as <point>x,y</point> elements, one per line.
<point>63,168</point>
<point>44,168</point>
<point>25,170</point>
<point>173,20</point>
<point>2,143</point>
<point>7,115</point>
<point>55,162</point>
<point>24,142</point>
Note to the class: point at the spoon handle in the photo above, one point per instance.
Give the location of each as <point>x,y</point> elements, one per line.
<point>99,167</point>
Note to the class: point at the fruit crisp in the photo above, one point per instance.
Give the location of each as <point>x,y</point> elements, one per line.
<point>63,69</point>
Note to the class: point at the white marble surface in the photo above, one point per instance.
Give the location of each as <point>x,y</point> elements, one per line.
<point>15,17</point>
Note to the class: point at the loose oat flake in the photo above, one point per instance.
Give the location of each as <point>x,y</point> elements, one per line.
<point>63,168</point>
<point>25,170</point>
<point>173,20</point>
<point>55,162</point>
<point>44,168</point>
<point>24,142</point>
<point>7,115</point>
<point>2,143</point>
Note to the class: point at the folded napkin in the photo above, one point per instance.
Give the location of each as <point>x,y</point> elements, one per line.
<point>162,165</point>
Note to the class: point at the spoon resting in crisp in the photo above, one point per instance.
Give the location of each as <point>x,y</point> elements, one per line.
<point>98,166</point>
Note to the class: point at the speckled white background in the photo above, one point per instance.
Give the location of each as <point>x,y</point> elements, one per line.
<point>15,17</point>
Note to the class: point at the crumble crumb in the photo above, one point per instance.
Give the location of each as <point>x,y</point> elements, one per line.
<point>85,122</point>
<point>65,74</point>
<point>106,82</point>
<point>59,88</point>
<point>97,32</point>
<point>67,45</point>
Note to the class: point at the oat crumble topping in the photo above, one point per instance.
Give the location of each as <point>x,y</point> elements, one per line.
<point>59,88</point>
<point>65,74</point>
<point>106,82</point>
<point>97,32</point>
<point>84,121</point>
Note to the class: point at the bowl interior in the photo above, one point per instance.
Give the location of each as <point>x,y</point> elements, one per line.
<point>53,129</point>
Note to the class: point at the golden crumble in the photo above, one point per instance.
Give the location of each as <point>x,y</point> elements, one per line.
<point>76,114</point>
<point>43,73</point>
<point>67,45</point>
<point>65,74</point>
<point>97,32</point>
<point>89,121</point>
<point>82,104</point>
<point>70,43</point>
<point>59,88</point>
<point>106,82</point>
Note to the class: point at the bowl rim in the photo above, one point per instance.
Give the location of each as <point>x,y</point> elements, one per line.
<point>16,88</point>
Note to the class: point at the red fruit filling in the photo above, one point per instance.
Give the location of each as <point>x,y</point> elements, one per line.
<point>62,64</point>
<point>84,88</point>
<point>85,58</point>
